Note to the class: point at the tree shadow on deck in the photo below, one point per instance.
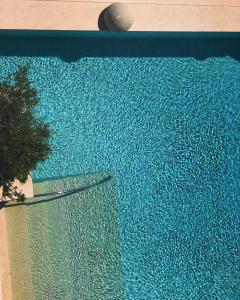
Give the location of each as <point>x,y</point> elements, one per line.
<point>2,204</point>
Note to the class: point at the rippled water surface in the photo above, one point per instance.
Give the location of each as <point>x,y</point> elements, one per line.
<point>74,240</point>
<point>168,130</point>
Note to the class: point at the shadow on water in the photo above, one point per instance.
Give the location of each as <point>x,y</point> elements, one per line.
<point>57,195</point>
<point>72,45</point>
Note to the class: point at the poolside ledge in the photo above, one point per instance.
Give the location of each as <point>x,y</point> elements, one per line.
<point>5,269</point>
<point>26,188</point>
<point>157,15</point>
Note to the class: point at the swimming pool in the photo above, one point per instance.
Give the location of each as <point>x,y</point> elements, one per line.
<point>161,112</point>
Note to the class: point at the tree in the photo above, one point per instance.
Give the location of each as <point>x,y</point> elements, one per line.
<point>24,138</point>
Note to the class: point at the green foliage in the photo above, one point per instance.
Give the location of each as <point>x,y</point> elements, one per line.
<point>24,138</point>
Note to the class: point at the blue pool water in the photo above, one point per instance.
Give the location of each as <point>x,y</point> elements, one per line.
<point>168,129</point>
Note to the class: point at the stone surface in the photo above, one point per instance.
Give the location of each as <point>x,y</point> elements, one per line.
<point>118,17</point>
<point>158,15</point>
<point>5,273</point>
<point>26,188</point>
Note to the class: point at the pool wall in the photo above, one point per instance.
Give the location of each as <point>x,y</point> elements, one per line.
<point>72,45</point>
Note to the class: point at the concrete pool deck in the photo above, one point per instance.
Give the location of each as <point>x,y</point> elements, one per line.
<point>5,273</point>
<point>5,268</point>
<point>150,15</point>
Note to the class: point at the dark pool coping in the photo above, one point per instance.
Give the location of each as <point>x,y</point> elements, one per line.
<point>72,45</point>
<point>129,34</point>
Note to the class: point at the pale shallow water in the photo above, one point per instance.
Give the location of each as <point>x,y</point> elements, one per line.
<point>67,246</point>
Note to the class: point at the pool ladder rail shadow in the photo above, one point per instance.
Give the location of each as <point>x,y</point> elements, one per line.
<point>55,195</point>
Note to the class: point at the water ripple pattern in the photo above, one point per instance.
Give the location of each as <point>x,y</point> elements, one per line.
<point>168,129</point>
<point>74,240</point>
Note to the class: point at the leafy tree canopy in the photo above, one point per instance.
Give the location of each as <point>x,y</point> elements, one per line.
<point>24,138</point>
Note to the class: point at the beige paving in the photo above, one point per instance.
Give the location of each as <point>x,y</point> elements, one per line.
<point>5,269</point>
<point>5,274</point>
<point>19,255</point>
<point>26,188</point>
<point>150,15</point>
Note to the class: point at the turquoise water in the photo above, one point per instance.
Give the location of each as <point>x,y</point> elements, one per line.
<point>168,130</point>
